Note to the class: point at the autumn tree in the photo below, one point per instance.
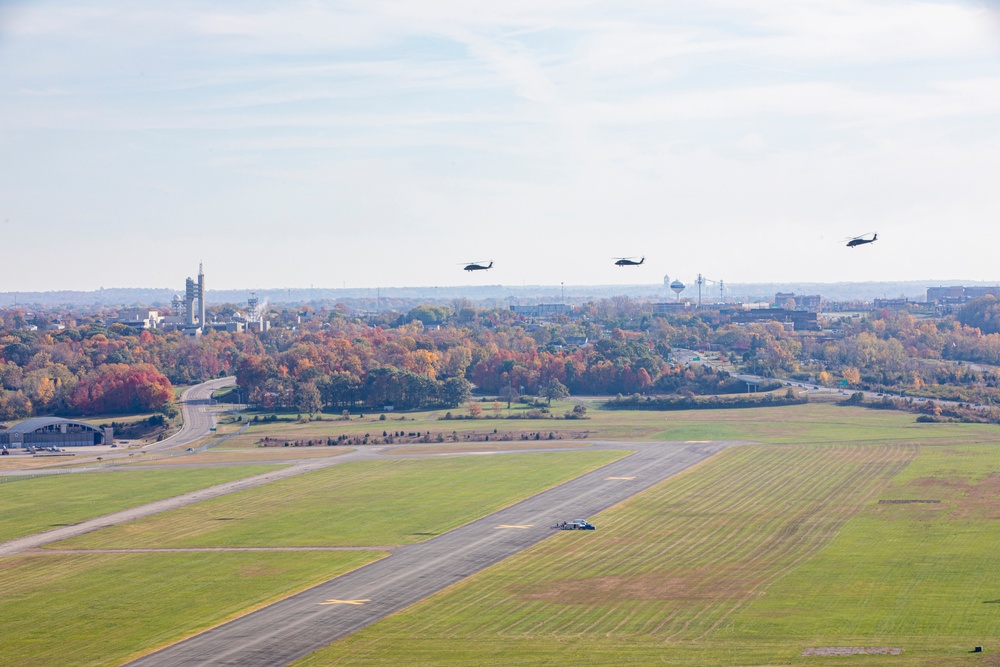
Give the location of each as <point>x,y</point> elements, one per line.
<point>555,390</point>
<point>121,389</point>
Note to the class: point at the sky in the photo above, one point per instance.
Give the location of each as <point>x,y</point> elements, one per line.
<point>386,143</point>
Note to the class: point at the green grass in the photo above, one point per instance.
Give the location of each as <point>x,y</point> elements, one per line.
<point>818,422</point>
<point>387,502</point>
<point>672,565</point>
<point>746,559</point>
<point>100,609</point>
<point>31,505</point>
<point>923,575</point>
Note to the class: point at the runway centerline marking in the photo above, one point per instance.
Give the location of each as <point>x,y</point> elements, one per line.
<point>619,478</point>
<point>525,526</point>
<point>355,602</point>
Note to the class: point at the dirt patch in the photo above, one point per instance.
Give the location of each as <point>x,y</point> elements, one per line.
<point>966,499</point>
<point>837,651</point>
<point>10,563</point>
<point>258,570</point>
<point>703,585</point>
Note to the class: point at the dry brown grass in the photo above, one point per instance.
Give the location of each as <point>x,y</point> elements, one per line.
<point>468,447</point>
<point>262,455</point>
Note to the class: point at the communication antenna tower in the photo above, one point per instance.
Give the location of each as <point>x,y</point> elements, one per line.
<point>702,280</point>
<point>252,305</point>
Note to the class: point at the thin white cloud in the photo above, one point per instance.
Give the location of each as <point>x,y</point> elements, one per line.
<point>729,129</point>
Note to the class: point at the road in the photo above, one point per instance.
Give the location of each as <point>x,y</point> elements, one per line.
<point>296,626</point>
<point>685,356</point>
<point>197,419</point>
<point>197,423</point>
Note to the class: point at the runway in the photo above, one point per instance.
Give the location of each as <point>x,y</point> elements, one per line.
<point>296,626</point>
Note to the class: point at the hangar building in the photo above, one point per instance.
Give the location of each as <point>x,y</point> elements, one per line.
<point>54,432</point>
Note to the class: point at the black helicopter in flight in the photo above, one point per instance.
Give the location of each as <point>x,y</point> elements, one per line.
<point>478,266</point>
<point>861,240</point>
<point>628,261</point>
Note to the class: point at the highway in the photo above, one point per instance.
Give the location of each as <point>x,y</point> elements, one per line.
<point>296,626</point>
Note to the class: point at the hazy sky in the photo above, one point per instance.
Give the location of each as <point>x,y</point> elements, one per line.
<point>382,143</point>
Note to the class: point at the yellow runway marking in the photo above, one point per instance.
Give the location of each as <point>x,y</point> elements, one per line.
<point>345,602</point>
<point>619,478</point>
<point>529,525</point>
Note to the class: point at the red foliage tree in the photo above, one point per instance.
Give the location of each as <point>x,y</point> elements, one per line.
<point>120,388</point>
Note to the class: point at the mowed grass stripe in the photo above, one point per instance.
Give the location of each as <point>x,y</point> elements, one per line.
<point>825,528</point>
<point>740,545</point>
<point>100,609</point>
<point>382,502</point>
<point>919,576</point>
<point>710,541</point>
<point>38,504</point>
<point>563,562</point>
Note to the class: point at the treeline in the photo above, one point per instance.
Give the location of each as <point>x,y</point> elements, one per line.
<point>665,403</point>
<point>326,360</point>
<point>353,365</point>
<point>929,411</point>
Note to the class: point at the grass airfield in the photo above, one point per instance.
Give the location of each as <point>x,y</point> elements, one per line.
<point>390,502</point>
<point>749,558</point>
<point>745,559</point>
<point>109,605</point>
<point>34,504</point>
<point>813,423</point>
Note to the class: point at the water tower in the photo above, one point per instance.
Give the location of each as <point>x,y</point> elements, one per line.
<point>678,287</point>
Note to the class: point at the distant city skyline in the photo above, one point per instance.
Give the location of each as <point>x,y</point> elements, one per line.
<point>359,144</point>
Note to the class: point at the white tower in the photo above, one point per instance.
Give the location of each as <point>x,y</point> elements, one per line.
<point>201,297</point>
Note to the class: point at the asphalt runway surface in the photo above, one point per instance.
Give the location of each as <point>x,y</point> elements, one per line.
<point>296,626</point>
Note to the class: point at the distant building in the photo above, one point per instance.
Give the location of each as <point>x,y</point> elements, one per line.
<point>959,294</point>
<point>54,432</point>
<point>800,320</point>
<point>260,326</point>
<point>902,303</point>
<point>139,318</point>
<point>670,307</point>
<point>791,301</point>
<point>542,310</point>
<point>232,326</point>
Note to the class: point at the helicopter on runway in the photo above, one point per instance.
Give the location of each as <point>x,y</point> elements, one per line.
<point>478,266</point>
<point>628,261</point>
<point>861,240</point>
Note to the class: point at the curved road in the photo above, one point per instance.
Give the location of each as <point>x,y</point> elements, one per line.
<point>197,420</point>
<point>197,423</point>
